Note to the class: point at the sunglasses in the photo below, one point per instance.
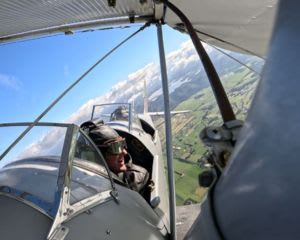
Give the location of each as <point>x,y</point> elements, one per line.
<point>116,147</point>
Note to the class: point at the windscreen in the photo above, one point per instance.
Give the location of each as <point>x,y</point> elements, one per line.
<point>115,112</point>
<point>89,175</point>
<point>30,170</point>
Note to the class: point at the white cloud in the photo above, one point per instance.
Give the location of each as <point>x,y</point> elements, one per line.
<point>49,142</point>
<point>129,89</point>
<point>178,63</point>
<point>11,82</point>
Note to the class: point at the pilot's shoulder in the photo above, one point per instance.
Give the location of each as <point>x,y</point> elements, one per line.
<point>136,168</point>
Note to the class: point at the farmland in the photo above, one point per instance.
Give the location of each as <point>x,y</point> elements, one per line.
<point>187,147</point>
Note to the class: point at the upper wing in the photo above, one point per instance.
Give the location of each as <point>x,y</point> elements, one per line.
<point>31,18</point>
<point>239,25</point>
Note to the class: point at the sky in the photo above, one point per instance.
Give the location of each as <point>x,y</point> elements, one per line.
<point>34,72</point>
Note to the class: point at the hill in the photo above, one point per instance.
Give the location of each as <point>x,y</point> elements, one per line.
<point>187,148</point>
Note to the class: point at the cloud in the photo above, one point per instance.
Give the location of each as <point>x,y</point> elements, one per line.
<point>50,143</point>
<point>9,81</point>
<point>178,62</point>
<point>183,64</point>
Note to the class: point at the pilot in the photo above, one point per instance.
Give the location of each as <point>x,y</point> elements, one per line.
<point>114,149</point>
<point>121,113</point>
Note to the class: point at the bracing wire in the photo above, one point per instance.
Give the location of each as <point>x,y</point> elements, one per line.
<point>68,89</point>
<point>233,58</point>
<point>226,54</point>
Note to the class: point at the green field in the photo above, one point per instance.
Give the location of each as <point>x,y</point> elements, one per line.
<point>187,147</point>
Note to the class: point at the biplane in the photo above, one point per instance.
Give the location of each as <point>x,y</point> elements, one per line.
<point>253,193</point>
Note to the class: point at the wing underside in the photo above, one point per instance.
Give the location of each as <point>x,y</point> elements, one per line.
<point>243,26</point>
<point>239,25</point>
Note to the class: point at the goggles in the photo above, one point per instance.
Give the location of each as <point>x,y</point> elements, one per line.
<point>116,147</point>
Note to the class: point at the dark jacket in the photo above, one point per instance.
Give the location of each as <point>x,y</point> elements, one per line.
<point>136,177</point>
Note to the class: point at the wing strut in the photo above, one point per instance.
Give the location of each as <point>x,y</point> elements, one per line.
<point>217,87</point>
<point>168,133</point>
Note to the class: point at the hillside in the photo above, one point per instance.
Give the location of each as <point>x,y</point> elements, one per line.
<point>189,89</point>
<point>187,148</point>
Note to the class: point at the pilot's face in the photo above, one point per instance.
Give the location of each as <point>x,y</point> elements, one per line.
<point>116,162</point>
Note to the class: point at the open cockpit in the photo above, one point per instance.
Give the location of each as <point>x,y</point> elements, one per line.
<point>143,145</point>
<point>58,172</point>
